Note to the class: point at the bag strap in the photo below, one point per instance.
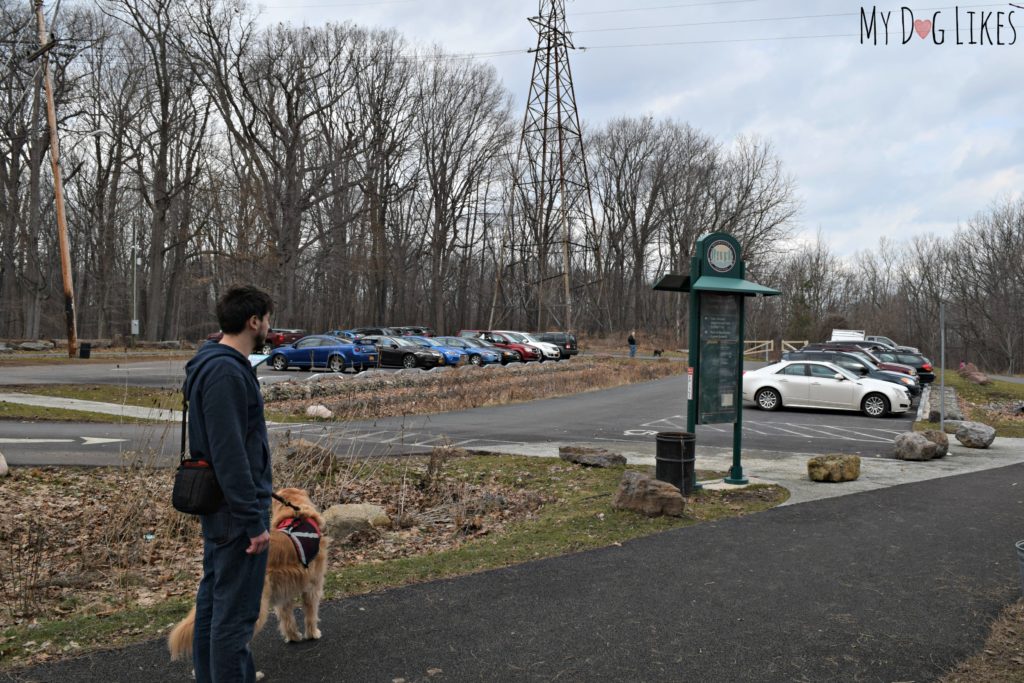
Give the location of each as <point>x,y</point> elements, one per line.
<point>184,421</point>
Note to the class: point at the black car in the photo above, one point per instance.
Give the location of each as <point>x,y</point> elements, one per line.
<point>859,365</point>
<point>915,360</point>
<point>413,330</point>
<point>565,342</point>
<point>396,352</point>
<point>377,331</point>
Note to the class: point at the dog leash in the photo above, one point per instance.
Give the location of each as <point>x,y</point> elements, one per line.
<point>281,500</point>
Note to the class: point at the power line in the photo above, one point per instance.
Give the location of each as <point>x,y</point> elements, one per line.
<point>724,40</point>
<point>660,7</point>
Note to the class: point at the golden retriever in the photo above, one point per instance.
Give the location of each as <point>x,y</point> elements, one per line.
<point>287,580</point>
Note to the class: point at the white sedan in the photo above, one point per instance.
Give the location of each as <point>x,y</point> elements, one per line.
<point>816,384</point>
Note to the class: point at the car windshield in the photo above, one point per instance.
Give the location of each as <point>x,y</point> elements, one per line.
<point>478,343</point>
<point>863,360</point>
<point>401,341</point>
<point>843,371</point>
<point>514,337</point>
<point>454,341</point>
<point>530,338</point>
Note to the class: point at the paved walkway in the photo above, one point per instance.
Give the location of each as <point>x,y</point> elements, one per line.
<point>155,414</point>
<point>896,582</point>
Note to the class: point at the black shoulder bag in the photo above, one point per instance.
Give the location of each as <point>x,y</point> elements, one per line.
<point>196,491</point>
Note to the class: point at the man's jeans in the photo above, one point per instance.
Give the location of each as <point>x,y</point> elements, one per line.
<point>632,350</point>
<point>227,606</point>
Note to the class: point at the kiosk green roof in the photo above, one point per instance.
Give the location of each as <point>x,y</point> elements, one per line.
<point>709,283</point>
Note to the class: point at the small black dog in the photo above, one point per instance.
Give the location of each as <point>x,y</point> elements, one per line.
<point>658,352</point>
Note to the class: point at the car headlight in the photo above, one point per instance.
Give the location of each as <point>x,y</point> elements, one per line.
<point>907,381</point>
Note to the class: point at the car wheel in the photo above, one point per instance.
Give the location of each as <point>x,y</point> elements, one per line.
<point>475,359</point>
<point>279,362</point>
<point>541,359</point>
<point>336,364</point>
<point>875,405</point>
<point>409,361</point>
<point>768,399</point>
<point>267,348</point>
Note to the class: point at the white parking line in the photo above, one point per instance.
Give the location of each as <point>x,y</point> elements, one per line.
<point>400,437</point>
<point>871,437</point>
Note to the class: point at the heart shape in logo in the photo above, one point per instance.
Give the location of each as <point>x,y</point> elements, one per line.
<point>923,27</point>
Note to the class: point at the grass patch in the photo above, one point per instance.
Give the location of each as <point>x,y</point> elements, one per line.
<point>1001,660</point>
<point>23,358</point>
<point>353,397</point>
<point>453,513</point>
<point>119,394</point>
<point>983,403</point>
<point>22,413</point>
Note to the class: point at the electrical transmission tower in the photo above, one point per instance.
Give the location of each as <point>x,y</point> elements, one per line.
<point>552,183</point>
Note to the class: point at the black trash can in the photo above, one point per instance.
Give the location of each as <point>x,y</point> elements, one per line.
<point>674,459</point>
<point>84,350</point>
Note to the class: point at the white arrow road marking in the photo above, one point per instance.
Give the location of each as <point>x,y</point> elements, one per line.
<point>92,440</point>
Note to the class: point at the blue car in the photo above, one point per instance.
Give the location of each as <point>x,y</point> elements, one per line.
<point>477,355</point>
<point>324,351</point>
<point>452,355</point>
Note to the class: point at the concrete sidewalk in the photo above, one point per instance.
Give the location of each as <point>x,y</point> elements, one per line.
<point>155,414</point>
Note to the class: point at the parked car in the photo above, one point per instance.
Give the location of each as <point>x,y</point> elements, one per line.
<point>400,352</point>
<point>526,352</point>
<point>922,365</point>
<point>889,342</point>
<point>275,338</point>
<point>374,331</point>
<point>479,351</point>
<point>453,355</point>
<point>547,351</point>
<point>859,365</point>
<point>863,352</point>
<point>414,330</point>
<point>816,384</point>
<point>565,342</point>
<point>322,351</point>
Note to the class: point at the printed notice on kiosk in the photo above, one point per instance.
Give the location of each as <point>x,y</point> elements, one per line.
<point>719,357</point>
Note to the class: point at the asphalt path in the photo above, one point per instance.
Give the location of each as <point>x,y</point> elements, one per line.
<point>618,417</point>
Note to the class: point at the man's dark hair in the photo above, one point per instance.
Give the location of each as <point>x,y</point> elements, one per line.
<point>239,304</point>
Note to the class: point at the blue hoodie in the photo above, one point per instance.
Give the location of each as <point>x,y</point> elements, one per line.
<point>226,427</point>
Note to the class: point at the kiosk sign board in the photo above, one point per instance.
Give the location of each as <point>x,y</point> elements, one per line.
<point>719,357</point>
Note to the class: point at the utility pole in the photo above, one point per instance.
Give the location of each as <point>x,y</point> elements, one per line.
<point>552,166</point>
<point>45,45</point>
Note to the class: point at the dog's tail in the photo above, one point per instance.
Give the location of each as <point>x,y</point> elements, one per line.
<point>179,641</point>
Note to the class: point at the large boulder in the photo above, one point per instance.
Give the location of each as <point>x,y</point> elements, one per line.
<point>591,457</point>
<point>640,493</point>
<point>4,348</point>
<point>3,466</point>
<point>975,434</point>
<point>838,467</point>
<point>914,446</point>
<point>320,412</point>
<point>342,520</point>
<point>35,346</point>
<point>940,440</point>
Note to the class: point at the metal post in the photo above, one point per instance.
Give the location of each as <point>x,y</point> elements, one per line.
<point>58,189</point>
<point>135,285</point>
<point>942,366</point>
<point>736,471</point>
<point>693,361</point>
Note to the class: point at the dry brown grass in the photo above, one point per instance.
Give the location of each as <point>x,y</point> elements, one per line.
<point>392,395</point>
<point>1001,660</point>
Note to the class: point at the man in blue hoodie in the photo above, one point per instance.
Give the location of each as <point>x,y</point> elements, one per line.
<point>227,428</point>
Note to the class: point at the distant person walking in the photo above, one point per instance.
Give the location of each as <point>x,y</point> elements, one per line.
<point>226,427</point>
<point>631,340</point>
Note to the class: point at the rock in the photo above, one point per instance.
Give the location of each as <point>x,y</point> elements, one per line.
<point>3,466</point>
<point>977,378</point>
<point>935,404</point>
<point>839,467</point>
<point>975,434</point>
<point>640,493</point>
<point>940,440</point>
<point>4,348</point>
<point>169,344</point>
<point>591,457</point>
<point>35,346</point>
<point>319,411</point>
<point>914,446</point>
<point>342,520</point>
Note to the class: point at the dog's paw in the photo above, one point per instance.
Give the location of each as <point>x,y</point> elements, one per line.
<point>314,634</point>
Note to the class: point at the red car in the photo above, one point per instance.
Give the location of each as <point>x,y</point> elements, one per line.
<point>275,338</point>
<point>525,351</point>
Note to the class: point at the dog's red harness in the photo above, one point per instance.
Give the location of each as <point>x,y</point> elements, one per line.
<point>305,536</point>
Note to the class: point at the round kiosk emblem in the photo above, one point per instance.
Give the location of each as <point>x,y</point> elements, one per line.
<point>721,256</point>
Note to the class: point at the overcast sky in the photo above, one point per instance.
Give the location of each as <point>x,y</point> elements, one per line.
<point>889,140</point>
